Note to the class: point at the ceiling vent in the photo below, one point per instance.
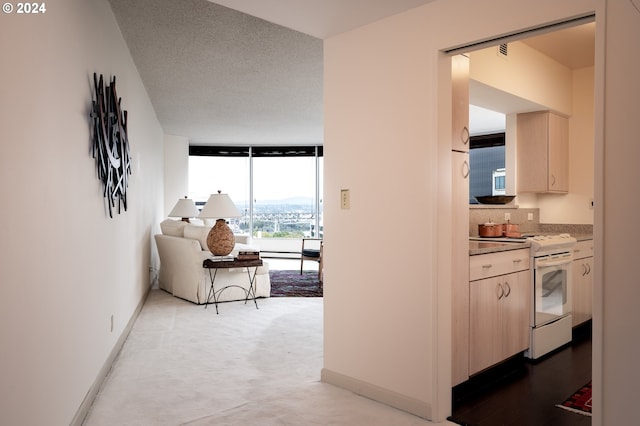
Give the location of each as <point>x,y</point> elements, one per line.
<point>503,50</point>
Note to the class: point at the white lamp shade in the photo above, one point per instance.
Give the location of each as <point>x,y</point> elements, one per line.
<point>185,207</point>
<point>219,206</point>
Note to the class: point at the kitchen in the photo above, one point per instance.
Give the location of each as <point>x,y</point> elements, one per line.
<point>515,79</point>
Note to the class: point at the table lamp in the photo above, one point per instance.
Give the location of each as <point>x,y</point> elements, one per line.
<point>220,239</point>
<point>184,208</point>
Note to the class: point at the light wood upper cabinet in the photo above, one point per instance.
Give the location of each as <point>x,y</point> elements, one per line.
<point>460,99</point>
<point>543,152</point>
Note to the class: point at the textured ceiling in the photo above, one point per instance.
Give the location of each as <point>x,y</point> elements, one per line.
<point>217,75</point>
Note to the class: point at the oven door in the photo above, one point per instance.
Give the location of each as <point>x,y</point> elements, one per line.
<point>552,287</point>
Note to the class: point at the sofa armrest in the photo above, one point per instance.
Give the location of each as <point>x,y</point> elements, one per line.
<point>242,239</point>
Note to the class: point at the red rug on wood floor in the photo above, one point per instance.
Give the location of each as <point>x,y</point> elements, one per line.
<point>579,402</point>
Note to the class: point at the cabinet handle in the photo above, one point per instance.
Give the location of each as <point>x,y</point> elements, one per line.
<point>465,135</point>
<point>588,269</point>
<point>500,291</point>
<point>466,169</point>
<point>517,260</point>
<point>508,289</point>
<point>584,269</point>
<point>553,180</point>
<point>487,266</point>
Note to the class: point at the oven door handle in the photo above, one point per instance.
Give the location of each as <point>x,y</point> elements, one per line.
<point>549,263</point>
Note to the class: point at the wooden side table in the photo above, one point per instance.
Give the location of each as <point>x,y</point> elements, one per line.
<point>214,265</point>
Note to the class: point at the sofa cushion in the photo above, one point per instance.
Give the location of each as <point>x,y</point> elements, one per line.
<point>199,233</point>
<point>174,228</point>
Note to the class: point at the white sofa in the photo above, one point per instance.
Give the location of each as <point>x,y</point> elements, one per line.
<point>182,248</point>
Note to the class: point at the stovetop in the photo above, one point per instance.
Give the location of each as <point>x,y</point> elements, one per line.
<point>538,243</point>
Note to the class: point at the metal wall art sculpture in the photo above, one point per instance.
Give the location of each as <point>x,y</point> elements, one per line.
<point>110,145</point>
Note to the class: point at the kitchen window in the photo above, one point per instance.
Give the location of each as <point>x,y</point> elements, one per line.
<point>487,164</point>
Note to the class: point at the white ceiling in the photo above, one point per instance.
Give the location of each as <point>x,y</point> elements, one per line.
<point>249,71</point>
<point>573,47</point>
<point>322,18</point>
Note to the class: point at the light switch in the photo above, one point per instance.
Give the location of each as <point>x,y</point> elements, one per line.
<point>345,201</point>
<point>529,216</point>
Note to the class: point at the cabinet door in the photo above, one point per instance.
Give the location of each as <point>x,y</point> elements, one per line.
<point>532,152</point>
<point>460,103</point>
<point>582,290</point>
<point>485,319</point>
<point>460,268</point>
<point>543,152</point>
<point>558,178</point>
<point>499,319</point>
<point>516,312</point>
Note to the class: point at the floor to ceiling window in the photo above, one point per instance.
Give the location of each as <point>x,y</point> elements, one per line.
<point>277,189</point>
<point>284,193</point>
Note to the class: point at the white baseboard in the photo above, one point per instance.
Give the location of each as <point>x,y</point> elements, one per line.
<point>377,393</point>
<point>83,410</point>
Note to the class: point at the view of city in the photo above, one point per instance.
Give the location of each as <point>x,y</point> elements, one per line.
<point>285,192</point>
<point>288,218</point>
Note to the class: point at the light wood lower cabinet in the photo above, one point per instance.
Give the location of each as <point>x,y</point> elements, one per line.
<point>582,282</point>
<point>499,319</point>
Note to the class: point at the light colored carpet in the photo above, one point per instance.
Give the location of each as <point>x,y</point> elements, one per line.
<point>184,365</point>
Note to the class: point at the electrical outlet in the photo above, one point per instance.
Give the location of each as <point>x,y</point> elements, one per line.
<point>507,216</point>
<point>529,216</point>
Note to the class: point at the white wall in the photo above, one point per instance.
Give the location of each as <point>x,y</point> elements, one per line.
<point>66,266</point>
<point>378,299</point>
<point>176,170</point>
<point>387,298</point>
<point>616,319</point>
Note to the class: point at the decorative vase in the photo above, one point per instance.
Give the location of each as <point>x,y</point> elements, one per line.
<point>220,239</point>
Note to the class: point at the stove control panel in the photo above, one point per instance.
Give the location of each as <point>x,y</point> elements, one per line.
<point>548,243</point>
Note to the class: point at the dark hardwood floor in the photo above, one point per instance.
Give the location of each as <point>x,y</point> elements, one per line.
<point>524,393</point>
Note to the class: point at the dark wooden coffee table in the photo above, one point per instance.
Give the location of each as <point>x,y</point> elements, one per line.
<point>213,265</point>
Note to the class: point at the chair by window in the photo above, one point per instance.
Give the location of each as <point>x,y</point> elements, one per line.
<point>312,250</point>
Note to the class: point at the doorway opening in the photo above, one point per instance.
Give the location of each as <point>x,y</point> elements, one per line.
<point>548,42</point>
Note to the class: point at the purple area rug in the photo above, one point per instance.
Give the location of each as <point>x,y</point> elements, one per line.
<point>293,284</point>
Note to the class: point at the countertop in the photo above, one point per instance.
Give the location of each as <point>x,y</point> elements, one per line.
<point>484,247</point>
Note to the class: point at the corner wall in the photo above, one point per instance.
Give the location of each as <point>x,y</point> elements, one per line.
<point>67,268</point>
<point>387,314</point>
<point>616,321</point>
